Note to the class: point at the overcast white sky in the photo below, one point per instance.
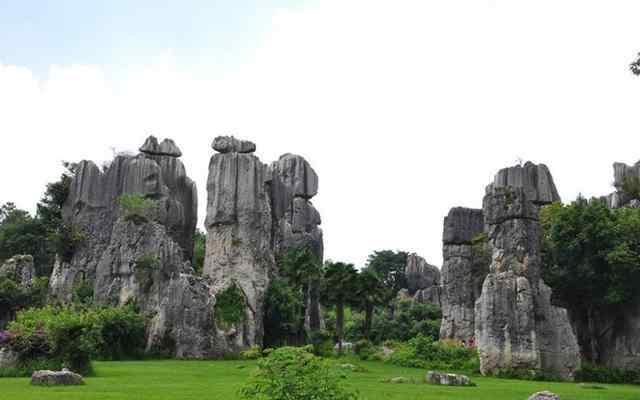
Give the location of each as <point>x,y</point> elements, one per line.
<point>404,108</point>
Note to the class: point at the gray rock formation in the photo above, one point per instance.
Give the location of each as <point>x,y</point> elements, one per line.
<point>239,225</point>
<point>92,208</point>
<point>229,144</point>
<point>20,270</point>
<point>8,358</point>
<point>423,280</point>
<point>255,214</point>
<point>439,378</point>
<point>515,323</point>
<point>464,268</point>
<point>56,378</point>
<point>544,395</point>
<point>142,261</point>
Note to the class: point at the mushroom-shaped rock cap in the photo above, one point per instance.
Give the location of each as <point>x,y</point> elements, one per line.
<point>229,144</point>
<point>167,148</point>
<point>150,146</point>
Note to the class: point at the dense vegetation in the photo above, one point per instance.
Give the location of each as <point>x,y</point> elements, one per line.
<point>55,337</point>
<point>592,261</point>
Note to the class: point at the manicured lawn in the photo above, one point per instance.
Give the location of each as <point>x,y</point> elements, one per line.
<point>213,380</point>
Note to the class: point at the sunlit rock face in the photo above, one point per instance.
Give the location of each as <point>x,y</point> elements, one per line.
<point>463,271</point>
<point>516,326</point>
<point>146,262</point>
<point>255,214</point>
<point>92,207</point>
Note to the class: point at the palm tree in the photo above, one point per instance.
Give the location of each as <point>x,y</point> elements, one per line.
<point>338,289</point>
<point>371,292</point>
<point>303,270</point>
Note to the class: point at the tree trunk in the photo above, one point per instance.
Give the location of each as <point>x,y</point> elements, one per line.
<point>314,306</point>
<point>368,317</point>
<point>339,324</point>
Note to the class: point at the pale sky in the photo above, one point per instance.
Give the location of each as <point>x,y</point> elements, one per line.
<point>404,108</point>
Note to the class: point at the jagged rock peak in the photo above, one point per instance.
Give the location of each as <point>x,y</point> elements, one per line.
<point>535,179</point>
<point>167,148</point>
<point>420,274</point>
<point>462,225</point>
<point>229,144</point>
<point>296,173</point>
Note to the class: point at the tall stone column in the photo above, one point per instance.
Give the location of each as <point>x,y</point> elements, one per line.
<point>516,325</point>
<point>463,271</point>
<point>239,232</point>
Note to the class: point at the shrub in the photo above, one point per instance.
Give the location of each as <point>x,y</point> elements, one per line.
<point>423,352</point>
<point>593,373</point>
<point>54,333</point>
<point>253,353</point>
<point>71,336</point>
<point>83,293</point>
<point>230,306</point>
<point>137,208</point>
<point>294,373</point>
<point>322,343</point>
<point>365,350</point>
<point>119,332</point>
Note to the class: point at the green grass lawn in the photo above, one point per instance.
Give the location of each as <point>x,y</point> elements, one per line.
<point>220,380</point>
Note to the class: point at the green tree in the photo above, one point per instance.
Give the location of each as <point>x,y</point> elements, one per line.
<point>390,266</point>
<point>591,258</point>
<point>302,268</point>
<point>338,289</point>
<point>20,233</point>
<point>199,248</point>
<point>370,293</point>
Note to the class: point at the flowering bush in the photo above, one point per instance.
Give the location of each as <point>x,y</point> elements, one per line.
<point>5,338</point>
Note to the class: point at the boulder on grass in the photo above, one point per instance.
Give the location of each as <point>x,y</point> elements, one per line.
<point>439,378</point>
<point>56,378</point>
<point>545,395</point>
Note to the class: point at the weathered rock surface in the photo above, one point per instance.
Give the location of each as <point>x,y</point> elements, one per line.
<point>92,208</point>
<point>56,378</point>
<point>256,213</point>
<point>463,271</point>
<point>545,395</point>
<point>229,144</point>
<point>20,270</point>
<point>515,323</point>
<point>8,359</point>
<point>534,179</point>
<point>439,378</point>
<point>420,274</point>
<point>166,148</point>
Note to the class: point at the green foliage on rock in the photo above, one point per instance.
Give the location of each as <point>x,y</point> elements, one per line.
<point>230,308</point>
<point>137,208</point>
<point>199,249</point>
<point>291,373</point>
